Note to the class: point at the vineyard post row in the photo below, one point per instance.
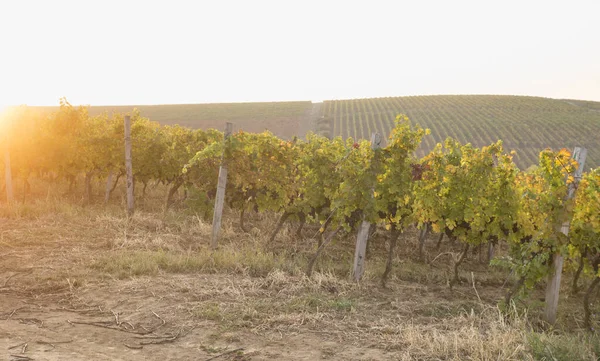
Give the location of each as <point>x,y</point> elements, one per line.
<point>8,175</point>
<point>363,231</point>
<point>556,264</point>
<point>128,166</point>
<point>220,196</point>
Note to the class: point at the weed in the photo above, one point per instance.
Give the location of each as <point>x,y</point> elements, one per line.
<point>565,347</point>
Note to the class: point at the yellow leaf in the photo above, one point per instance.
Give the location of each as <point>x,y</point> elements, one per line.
<point>450,224</point>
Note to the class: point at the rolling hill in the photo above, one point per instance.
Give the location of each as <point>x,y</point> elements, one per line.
<point>525,124</point>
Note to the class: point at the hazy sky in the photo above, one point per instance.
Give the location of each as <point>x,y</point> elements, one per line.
<point>148,52</point>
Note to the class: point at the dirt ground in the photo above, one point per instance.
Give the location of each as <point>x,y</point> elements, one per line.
<point>46,328</point>
<point>123,322</point>
<point>91,286</point>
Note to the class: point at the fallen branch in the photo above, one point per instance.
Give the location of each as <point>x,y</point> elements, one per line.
<point>128,323</point>
<point>19,345</point>
<point>442,254</point>
<point>225,354</point>
<point>12,313</point>
<point>52,343</point>
<point>83,310</point>
<point>22,358</point>
<point>103,325</point>
<point>134,347</point>
<point>164,340</point>
<point>157,316</point>
<point>147,336</point>
<point>116,314</point>
<point>29,321</point>
<point>159,342</point>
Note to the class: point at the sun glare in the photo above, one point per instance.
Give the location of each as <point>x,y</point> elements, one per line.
<point>3,108</point>
<point>6,113</point>
<point>3,116</point>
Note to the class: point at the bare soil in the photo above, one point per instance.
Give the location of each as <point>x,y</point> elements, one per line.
<point>93,286</point>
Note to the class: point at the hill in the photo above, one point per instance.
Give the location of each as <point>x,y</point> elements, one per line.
<point>284,119</point>
<point>525,124</point>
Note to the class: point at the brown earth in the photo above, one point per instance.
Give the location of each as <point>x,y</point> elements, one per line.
<point>86,284</point>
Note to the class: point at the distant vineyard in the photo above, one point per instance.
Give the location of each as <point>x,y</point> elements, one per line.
<point>284,119</point>
<point>525,124</point>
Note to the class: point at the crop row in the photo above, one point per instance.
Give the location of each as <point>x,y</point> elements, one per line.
<point>525,124</point>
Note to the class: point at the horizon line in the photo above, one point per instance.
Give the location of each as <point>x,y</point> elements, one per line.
<point>294,101</point>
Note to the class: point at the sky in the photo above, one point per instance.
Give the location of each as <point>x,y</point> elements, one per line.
<point>173,52</point>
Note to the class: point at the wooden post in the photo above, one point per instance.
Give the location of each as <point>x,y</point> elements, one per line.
<point>128,166</point>
<point>220,197</point>
<point>8,173</point>
<point>363,231</point>
<point>422,237</point>
<point>490,254</point>
<point>108,187</point>
<point>553,284</point>
<point>88,187</point>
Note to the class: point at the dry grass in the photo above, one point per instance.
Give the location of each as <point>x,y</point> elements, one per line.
<point>84,254</point>
<point>227,260</point>
<point>363,316</point>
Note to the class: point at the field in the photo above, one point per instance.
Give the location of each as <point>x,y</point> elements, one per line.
<point>84,282</point>
<point>525,124</point>
<point>284,119</point>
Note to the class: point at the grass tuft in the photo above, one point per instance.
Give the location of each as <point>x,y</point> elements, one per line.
<point>564,347</point>
<point>129,263</point>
